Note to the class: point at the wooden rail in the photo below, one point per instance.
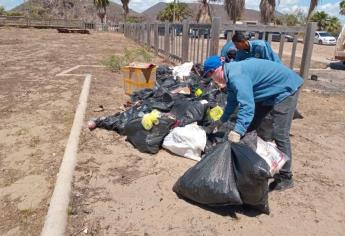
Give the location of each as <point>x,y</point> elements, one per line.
<point>195,42</point>
<point>20,21</point>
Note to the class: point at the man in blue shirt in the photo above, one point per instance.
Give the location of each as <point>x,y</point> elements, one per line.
<point>228,52</point>
<point>258,87</point>
<point>253,48</point>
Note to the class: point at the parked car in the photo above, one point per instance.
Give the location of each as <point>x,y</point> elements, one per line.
<point>276,37</point>
<point>323,37</point>
<point>196,33</point>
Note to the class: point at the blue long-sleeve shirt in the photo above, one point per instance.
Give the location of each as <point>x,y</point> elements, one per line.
<point>226,48</point>
<point>258,49</point>
<point>256,80</point>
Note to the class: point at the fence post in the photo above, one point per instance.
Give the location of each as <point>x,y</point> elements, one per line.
<point>185,41</point>
<point>166,40</point>
<point>148,27</point>
<point>142,33</point>
<point>215,36</point>
<point>155,39</point>
<point>307,49</point>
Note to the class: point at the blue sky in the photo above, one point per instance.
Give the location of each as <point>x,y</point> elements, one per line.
<point>285,6</point>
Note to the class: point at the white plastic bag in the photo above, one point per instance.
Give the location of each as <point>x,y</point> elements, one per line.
<point>272,155</point>
<point>188,141</point>
<point>182,70</point>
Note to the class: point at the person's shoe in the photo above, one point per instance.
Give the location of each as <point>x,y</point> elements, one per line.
<point>281,184</point>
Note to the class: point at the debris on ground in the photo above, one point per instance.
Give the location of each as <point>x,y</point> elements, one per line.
<point>177,114</point>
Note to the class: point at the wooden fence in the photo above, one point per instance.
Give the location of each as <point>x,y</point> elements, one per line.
<point>195,42</point>
<point>21,21</point>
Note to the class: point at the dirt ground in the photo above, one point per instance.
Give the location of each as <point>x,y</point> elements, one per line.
<point>119,191</point>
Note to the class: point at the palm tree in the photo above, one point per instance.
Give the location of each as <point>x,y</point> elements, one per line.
<point>2,11</point>
<point>321,18</point>
<point>125,8</point>
<point>234,8</point>
<point>342,7</point>
<point>267,10</point>
<point>313,4</point>
<point>180,11</point>
<point>204,12</point>
<point>101,6</point>
<point>333,25</point>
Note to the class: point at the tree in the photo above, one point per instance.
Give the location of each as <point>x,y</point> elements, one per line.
<point>326,22</point>
<point>288,19</point>
<point>267,10</point>
<point>204,12</point>
<point>181,11</point>
<point>101,6</point>
<point>313,4</point>
<point>234,9</point>
<point>342,7</point>
<point>333,26</point>
<point>320,17</point>
<point>125,8</point>
<point>2,11</point>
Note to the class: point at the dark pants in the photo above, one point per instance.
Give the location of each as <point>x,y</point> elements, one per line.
<point>281,115</point>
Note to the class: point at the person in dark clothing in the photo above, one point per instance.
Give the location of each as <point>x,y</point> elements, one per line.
<point>258,87</point>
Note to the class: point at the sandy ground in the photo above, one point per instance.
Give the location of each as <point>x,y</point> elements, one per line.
<point>120,191</point>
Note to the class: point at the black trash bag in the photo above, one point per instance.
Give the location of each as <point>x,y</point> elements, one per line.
<point>219,136</point>
<point>163,70</point>
<point>162,73</point>
<point>118,121</point>
<point>251,140</point>
<point>148,141</point>
<point>252,173</point>
<point>164,102</point>
<point>168,82</point>
<point>211,181</point>
<point>141,95</point>
<point>188,112</point>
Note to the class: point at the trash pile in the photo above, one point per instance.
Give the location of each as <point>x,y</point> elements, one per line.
<point>177,114</point>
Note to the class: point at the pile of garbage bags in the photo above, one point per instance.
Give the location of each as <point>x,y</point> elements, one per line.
<point>177,115</point>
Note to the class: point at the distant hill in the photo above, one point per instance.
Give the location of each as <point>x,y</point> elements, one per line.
<point>75,9</point>
<point>216,10</point>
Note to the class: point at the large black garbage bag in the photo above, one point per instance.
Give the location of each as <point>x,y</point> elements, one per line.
<point>168,82</point>
<point>162,73</point>
<point>211,181</point>
<point>188,112</point>
<point>250,139</point>
<point>118,121</point>
<point>252,173</point>
<point>141,95</point>
<point>148,141</point>
<point>164,102</point>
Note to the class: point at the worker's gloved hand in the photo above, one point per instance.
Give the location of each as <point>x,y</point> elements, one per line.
<point>234,137</point>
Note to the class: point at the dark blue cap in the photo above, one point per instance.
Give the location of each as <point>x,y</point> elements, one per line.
<point>211,63</point>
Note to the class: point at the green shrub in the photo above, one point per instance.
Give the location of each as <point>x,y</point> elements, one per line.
<point>115,62</point>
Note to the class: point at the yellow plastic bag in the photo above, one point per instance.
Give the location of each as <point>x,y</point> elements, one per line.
<point>198,92</point>
<point>150,119</point>
<point>216,113</point>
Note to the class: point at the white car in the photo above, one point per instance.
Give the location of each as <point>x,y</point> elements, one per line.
<point>323,37</point>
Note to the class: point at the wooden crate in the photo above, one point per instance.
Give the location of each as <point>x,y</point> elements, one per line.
<point>138,76</point>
